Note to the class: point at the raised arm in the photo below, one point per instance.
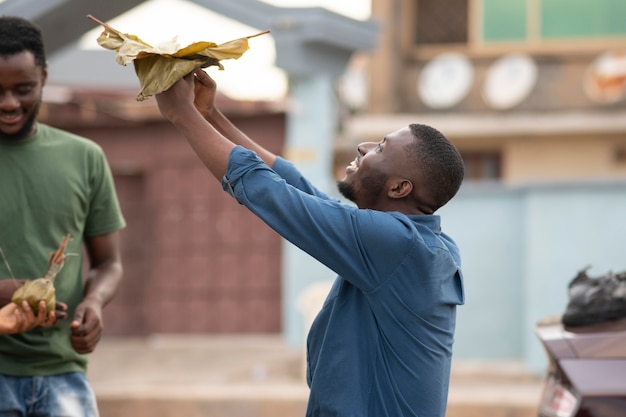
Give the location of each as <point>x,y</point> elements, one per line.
<point>177,105</point>
<point>205,91</point>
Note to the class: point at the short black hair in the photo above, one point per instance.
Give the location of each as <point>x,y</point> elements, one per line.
<point>438,160</point>
<point>18,35</point>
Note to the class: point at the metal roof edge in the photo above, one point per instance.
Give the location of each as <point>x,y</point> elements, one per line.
<point>488,125</point>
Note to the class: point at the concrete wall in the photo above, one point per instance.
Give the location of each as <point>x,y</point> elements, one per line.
<point>564,156</point>
<point>521,246</point>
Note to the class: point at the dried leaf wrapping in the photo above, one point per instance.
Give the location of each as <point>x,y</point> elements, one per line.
<point>158,68</point>
<point>34,291</point>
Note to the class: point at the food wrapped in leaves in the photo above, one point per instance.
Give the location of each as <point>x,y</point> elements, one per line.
<point>158,68</point>
<point>34,291</point>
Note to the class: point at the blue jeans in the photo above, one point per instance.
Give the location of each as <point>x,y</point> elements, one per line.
<point>64,395</point>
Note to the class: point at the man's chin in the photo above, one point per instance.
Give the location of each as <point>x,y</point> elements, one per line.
<point>346,190</point>
<point>25,131</point>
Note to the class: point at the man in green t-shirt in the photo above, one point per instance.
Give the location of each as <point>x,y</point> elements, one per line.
<point>52,183</point>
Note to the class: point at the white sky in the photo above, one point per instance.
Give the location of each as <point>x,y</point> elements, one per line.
<point>253,76</point>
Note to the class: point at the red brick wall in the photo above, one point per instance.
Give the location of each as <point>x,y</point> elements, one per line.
<point>195,260</point>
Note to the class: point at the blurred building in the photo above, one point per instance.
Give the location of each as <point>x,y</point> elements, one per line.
<point>533,94</point>
<point>530,91</point>
<point>194,260</point>
<point>527,89</point>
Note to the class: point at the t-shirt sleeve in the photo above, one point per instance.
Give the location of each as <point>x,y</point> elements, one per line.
<point>105,215</point>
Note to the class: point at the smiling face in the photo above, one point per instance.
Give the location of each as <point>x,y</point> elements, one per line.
<point>21,84</point>
<point>378,177</point>
<point>414,170</point>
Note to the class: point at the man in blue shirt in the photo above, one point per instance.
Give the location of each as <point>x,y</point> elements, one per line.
<point>382,343</point>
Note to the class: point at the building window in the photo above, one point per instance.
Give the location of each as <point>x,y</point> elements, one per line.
<point>620,156</point>
<point>582,18</point>
<point>482,166</point>
<point>527,24</point>
<point>441,22</point>
<point>504,20</point>
<point>522,20</point>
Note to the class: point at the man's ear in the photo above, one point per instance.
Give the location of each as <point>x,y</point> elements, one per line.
<point>44,76</point>
<point>400,188</point>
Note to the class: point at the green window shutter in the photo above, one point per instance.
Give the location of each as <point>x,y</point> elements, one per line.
<point>582,18</point>
<point>504,20</point>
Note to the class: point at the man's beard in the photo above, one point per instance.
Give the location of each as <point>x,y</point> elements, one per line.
<point>26,130</point>
<point>346,190</point>
<point>373,185</point>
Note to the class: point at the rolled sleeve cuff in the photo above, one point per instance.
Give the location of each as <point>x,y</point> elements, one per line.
<point>240,161</point>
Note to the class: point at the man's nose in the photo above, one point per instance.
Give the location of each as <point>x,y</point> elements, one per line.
<point>8,101</point>
<point>365,147</point>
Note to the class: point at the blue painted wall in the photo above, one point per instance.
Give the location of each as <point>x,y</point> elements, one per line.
<point>521,246</point>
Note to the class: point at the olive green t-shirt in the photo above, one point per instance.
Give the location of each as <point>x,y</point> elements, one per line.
<point>51,184</point>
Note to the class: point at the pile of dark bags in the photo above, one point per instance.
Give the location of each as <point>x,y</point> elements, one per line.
<point>595,299</point>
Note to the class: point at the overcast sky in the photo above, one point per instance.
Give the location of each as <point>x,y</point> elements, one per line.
<point>158,21</point>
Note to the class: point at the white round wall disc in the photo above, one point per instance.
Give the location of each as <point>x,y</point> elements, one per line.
<point>509,80</point>
<point>445,80</point>
<point>605,79</point>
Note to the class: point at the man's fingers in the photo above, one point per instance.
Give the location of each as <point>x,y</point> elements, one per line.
<point>203,77</point>
<point>42,309</point>
<point>50,319</point>
<point>27,310</point>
